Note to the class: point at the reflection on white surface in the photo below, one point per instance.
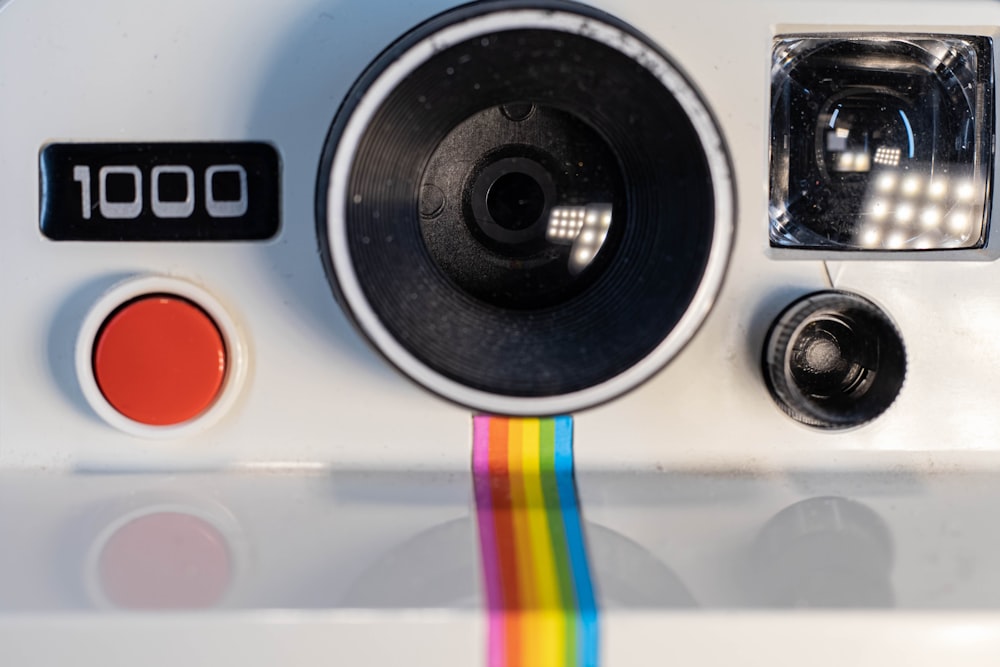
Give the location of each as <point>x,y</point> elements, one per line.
<point>824,552</point>
<point>163,558</point>
<point>438,568</point>
<point>403,539</point>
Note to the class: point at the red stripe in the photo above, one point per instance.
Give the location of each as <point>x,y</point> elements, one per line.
<point>500,482</point>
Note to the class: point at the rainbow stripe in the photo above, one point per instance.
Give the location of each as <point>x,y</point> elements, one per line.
<point>538,589</point>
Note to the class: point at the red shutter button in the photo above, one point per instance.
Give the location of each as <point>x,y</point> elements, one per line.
<point>159,360</point>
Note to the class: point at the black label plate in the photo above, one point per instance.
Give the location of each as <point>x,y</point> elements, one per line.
<point>213,191</point>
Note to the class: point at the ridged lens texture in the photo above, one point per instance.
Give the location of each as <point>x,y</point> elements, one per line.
<point>505,340</point>
<point>834,360</point>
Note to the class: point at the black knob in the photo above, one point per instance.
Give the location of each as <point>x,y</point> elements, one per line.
<point>834,360</point>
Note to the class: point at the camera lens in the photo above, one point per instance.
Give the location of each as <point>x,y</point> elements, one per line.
<point>531,203</point>
<point>834,360</point>
<point>829,358</point>
<point>527,209</point>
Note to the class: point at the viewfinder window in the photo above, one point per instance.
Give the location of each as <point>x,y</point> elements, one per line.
<point>881,142</point>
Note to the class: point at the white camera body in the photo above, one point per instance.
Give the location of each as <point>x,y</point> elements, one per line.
<point>333,479</point>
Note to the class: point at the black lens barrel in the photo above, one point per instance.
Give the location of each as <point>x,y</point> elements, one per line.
<point>834,360</point>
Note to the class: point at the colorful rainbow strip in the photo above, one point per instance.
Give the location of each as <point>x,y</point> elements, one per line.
<point>540,597</point>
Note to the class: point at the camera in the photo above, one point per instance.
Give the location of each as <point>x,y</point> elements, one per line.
<point>275,277</point>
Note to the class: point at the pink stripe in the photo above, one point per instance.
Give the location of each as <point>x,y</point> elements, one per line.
<point>487,539</point>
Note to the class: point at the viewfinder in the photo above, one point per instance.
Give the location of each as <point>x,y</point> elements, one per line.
<point>881,142</point>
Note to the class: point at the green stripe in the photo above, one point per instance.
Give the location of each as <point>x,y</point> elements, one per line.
<point>553,509</point>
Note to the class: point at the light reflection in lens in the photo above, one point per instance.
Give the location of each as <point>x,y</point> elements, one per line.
<point>895,240</point>
<point>939,209</point>
<point>937,188</point>
<point>854,162</point>
<point>911,185</point>
<point>958,223</point>
<point>931,217</point>
<point>871,237</point>
<point>886,182</point>
<point>879,209</point>
<point>888,157</point>
<point>904,212</point>
<point>583,227</point>
<point>564,225</point>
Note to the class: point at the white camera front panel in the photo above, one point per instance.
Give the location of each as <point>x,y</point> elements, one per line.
<point>315,392</point>
<point>315,398</point>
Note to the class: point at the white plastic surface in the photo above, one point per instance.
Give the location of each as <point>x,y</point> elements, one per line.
<point>425,639</point>
<point>329,460</point>
<point>226,70</point>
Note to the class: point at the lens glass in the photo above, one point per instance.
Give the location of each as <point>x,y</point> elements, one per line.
<point>520,205</point>
<point>515,201</point>
<point>829,359</point>
<point>881,142</point>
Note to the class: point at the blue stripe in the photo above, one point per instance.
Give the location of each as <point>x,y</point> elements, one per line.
<point>587,628</point>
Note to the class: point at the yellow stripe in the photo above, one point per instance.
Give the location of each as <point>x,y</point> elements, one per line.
<point>550,625</point>
<point>522,547</point>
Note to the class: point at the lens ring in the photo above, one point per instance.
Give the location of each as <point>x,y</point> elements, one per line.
<point>539,361</point>
<point>834,360</point>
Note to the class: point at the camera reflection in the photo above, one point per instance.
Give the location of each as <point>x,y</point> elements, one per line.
<point>824,552</point>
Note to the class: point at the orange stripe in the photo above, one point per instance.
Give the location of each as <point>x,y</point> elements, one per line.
<point>500,481</point>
